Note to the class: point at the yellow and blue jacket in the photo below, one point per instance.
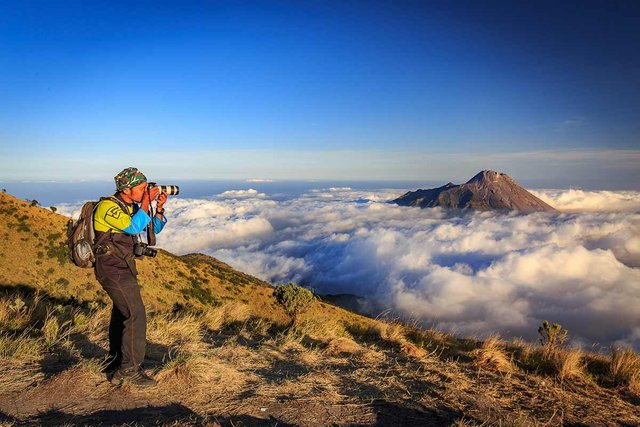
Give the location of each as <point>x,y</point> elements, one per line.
<point>109,216</point>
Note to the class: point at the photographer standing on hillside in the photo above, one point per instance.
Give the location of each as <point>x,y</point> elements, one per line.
<point>118,220</point>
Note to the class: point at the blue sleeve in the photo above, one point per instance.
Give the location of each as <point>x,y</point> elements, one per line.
<point>138,222</point>
<point>158,224</point>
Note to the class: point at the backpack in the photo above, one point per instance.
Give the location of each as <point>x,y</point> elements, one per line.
<point>81,235</point>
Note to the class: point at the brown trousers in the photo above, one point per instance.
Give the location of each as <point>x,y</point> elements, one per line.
<point>128,325</point>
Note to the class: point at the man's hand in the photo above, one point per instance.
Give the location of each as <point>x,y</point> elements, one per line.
<point>162,199</point>
<point>153,193</point>
<point>147,197</point>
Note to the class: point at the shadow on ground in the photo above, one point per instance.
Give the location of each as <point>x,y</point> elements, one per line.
<point>149,415</point>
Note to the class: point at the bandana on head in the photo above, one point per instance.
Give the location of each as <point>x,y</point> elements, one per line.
<point>128,178</point>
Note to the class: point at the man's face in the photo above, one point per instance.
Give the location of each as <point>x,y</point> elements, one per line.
<point>136,193</point>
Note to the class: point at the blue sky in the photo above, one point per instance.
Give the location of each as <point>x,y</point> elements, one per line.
<point>339,90</point>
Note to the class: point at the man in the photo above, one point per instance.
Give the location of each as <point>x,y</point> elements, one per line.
<point>117,222</point>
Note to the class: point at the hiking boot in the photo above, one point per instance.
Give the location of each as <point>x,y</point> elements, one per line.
<point>111,365</point>
<point>133,375</point>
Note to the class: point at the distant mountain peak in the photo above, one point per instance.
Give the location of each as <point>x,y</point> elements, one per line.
<point>487,176</point>
<point>487,190</point>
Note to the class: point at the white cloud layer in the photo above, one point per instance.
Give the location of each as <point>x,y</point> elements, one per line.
<point>591,201</point>
<point>473,274</point>
<point>239,194</point>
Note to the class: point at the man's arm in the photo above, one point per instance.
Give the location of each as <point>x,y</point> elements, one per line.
<point>159,220</point>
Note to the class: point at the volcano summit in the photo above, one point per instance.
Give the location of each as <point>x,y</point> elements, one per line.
<point>488,190</point>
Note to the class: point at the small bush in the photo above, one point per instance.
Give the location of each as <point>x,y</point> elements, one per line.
<point>53,209</point>
<point>62,282</point>
<point>552,336</point>
<point>34,203</point>
<point>201,294</point>
<point>294,299</point>
<point>22,227</point>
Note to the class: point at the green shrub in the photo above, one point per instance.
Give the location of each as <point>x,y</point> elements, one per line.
<point>62,282</point>
<point>57,248</point>
<point>294,299</point>
<point>201,294</point>
<point>552,336</point>
<point>60,252</point>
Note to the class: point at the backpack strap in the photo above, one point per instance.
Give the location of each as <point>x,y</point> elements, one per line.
<point>118,202</point>
<point>121,205</point>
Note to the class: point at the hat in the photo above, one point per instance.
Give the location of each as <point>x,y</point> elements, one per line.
<point>128,178</point>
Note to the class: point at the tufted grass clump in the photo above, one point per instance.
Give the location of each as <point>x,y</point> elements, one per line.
<point>493,356</point>
<point>20,347</point>
<point>189,369</point>
<point>624,368</point>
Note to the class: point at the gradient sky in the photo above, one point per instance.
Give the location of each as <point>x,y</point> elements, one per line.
<point>321,89</point>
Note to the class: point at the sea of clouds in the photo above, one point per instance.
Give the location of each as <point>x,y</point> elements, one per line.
<point>473,274</point>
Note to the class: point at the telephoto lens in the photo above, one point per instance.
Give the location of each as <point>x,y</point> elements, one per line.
<point>169,190</point>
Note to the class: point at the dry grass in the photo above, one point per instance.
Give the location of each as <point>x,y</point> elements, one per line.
<point>216,318</point>
<point>93,322</point>
<point>324,330</point>
<point>406,338</point>
<point>625,368</point>
<point>182,334</point>
<point>412,350</point>
<point>564,364</point>
<point>306,328</point>
<point>16,375</point>
<point>492,356</point>
<point>343,347</point>
<point>20,311</point>
<point>392,333</point>
<point>568,364</point>
<point>20,347</point>
<point>55,329</point>
<point>235,311</point>
<point>191,370</point>
<point>310,357</point>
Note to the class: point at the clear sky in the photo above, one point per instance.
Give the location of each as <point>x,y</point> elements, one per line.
<point>320,89</point>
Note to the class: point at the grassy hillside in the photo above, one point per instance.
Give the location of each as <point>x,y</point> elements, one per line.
<point>222,352</point>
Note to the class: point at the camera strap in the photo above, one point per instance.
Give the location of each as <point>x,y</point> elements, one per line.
<point>151,234</point>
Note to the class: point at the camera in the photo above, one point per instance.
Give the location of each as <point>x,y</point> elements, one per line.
<point>170,190</point>
<point>142,249</point>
